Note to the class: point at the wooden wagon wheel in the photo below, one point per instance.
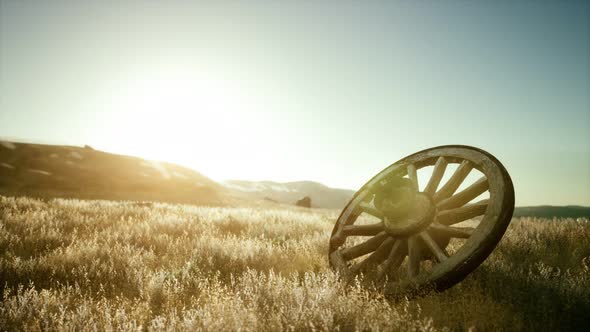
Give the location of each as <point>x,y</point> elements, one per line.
<point>419,237</point>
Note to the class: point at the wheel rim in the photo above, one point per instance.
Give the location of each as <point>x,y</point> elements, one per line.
<point>417,239</point>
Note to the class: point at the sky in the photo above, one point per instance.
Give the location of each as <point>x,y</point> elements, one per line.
<point>306,90</point>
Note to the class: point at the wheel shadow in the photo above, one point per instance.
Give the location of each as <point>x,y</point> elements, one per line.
<point>545,304</point>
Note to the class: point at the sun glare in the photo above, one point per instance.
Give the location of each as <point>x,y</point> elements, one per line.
<point>188,119</point>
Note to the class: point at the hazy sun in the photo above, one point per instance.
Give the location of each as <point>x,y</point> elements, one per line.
<point>196,119</point>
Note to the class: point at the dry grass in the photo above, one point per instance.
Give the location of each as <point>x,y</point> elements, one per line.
<point>81,265</point>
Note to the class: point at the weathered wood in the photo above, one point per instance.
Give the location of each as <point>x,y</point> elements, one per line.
<point>453,216</point>
<point>454,182</point>
<point>413,175</point>
<point>364,248</point>
<point>465,196</point>
<point>440,255</point>
<point>376,257</point>
<point>437,174</point>
<point>338,261</point>
<point>337,239</point>
<point>394,260</point>
<point>478,243</point>
<point>363,230</point>
<point>369,209</point>
<point>413,256</point>
<point>456,232</point>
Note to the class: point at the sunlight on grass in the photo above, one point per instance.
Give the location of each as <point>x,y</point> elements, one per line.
<point>77,265</point>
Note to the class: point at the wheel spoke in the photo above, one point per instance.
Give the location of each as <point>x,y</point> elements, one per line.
<point>364,248</point>
<point>440,255</point>
<point>376,257</point>
<point>456,232</point>
<point>368,208</point>
<point>395,258</point>
<point>437,174</point>
<point>465,196</point>
<point>363,230</point>
<point>454,182</point>
<point>413,175</point>
<point>453,216</point>
<point>414,257</point>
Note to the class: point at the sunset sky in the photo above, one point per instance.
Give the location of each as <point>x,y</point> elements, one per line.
<point>318,90</point>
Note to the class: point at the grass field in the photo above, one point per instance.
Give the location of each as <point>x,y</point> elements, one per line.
<point>100,265</point>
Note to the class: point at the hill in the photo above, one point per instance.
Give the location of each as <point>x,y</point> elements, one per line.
<point>66,171</point>
<point>47,171</point>
<point>289,192</point>
<point>548,211</point>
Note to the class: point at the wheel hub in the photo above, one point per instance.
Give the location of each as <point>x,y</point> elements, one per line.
<point>419,214</point>
<point>406,211</point>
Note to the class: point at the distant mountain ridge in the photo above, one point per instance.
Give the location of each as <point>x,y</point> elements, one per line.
<point>67,171</point>
<point>330,198</point>
<point>548,211</point>
<point>41,170</point>
<point>289,192</point>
